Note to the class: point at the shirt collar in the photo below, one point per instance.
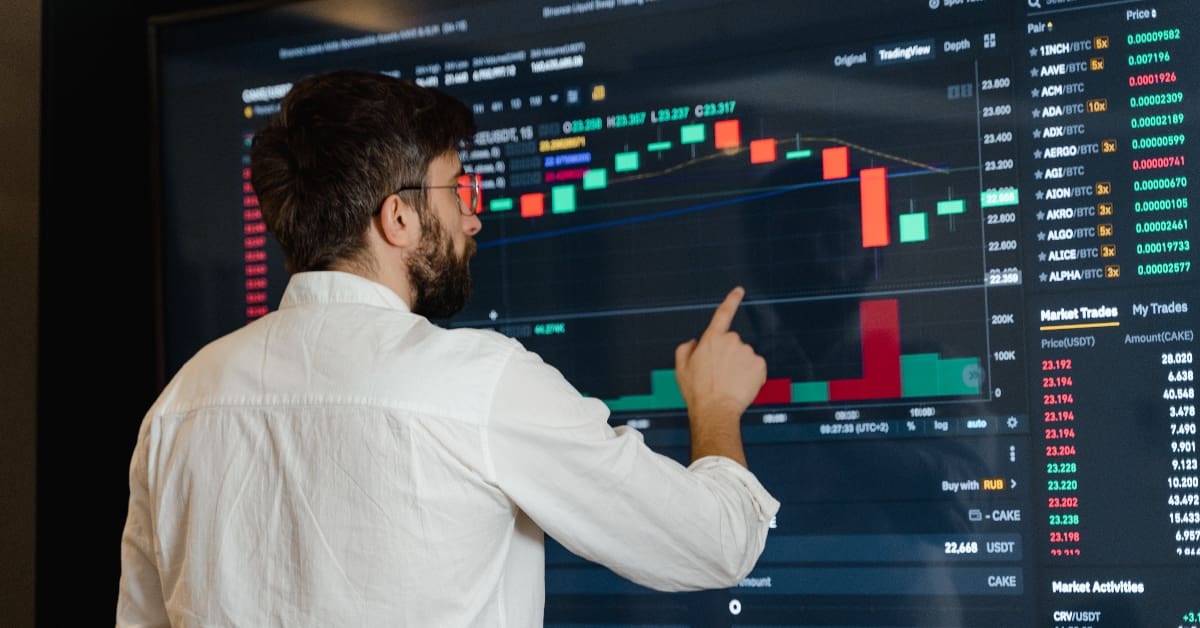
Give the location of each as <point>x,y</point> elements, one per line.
<point>323,287</point>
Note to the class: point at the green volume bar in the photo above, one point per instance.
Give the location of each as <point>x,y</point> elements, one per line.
<point>810,392</point>
<point>500,204</point>
<point>798,154</point>
<point>664,395</point>
<point>954,376</point>
<point>919,374</point>
<point>928,375</point>
<point>658,146</point>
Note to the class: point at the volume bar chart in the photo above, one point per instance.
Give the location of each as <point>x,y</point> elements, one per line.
<point>887,374</point>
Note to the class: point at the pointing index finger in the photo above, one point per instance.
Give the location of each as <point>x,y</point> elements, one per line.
<point>723,317</point>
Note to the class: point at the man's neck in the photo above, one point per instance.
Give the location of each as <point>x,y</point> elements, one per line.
<point>388,274</point>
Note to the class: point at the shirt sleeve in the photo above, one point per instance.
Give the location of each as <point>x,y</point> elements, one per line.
<point>140,597</point>
<point>606,496</point>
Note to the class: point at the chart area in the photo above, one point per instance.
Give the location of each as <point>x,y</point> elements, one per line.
<point>942,278</point>
<point>860,191</point>
<point>964,230</point>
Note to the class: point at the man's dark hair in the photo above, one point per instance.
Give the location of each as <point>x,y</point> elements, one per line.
<point>340,144</point>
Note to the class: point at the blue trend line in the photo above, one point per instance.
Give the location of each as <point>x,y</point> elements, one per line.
<point>676,212</point>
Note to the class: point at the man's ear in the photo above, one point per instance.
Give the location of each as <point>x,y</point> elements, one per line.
<point>398,224</point>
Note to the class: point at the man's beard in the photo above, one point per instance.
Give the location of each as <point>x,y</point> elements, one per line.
<point>441,280</point>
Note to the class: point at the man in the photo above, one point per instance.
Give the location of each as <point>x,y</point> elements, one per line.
<point>344,462</point>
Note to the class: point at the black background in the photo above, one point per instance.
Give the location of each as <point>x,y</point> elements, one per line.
<point>96,369</point>
<point>98,366</point>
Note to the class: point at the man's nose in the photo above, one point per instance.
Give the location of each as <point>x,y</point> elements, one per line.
<point>472,224</point>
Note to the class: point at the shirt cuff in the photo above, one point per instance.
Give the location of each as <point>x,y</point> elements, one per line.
<point>764,504</point>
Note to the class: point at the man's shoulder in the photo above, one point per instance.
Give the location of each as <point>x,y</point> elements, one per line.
<point>485,340</point>
<point>453,347</point>
<point>372,356</point>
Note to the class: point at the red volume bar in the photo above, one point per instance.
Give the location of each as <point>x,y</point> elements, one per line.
<point>880,322</point>
<point>873,188</point>
<point>774,391</point>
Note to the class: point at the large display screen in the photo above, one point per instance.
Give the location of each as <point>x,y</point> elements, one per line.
<point>964,227</point>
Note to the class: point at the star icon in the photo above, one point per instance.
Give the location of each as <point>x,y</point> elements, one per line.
<point>1041,236</point>
<point>1039,195</point>
<point>1037,113</point>
<point>1042,256</point>
<point>1033,73</point>
<point>1037,174</point>
<point>1037,154</point>
<point>1042,277</point>
<point>1037,134</point>
<point>1033,52</point>
<point>1034,92</point>
<point>1041,215</point>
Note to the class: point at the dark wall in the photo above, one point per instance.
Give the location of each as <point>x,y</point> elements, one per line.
<point>96,357</point>
<point>19,70</point>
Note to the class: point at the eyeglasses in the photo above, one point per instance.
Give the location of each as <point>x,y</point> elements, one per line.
<point>469,188</point>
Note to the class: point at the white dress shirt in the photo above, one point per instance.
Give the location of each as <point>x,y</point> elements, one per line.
<point>344,462</point>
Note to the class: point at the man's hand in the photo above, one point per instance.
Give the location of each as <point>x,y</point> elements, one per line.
<point>719,376</point>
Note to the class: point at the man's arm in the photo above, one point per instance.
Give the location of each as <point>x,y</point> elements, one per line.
<point>719,376</point>
<point>606,496</point>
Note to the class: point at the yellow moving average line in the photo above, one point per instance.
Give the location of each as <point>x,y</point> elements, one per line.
<point>729,152</point>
